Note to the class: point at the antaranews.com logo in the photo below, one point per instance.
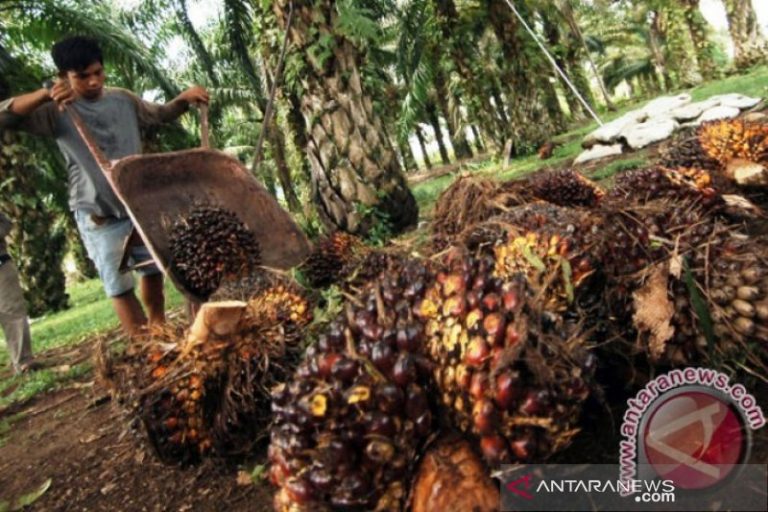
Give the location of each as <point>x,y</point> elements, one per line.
<point>686,439</point>
<point>691,426</point>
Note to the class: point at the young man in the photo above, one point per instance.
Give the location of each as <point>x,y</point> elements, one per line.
<point>113,117</point>
<point>13,307</point>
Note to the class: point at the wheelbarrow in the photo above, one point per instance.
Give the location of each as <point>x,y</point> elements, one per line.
<point>157,189</point>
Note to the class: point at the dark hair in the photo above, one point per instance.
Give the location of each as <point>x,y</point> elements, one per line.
<point>76,53</point>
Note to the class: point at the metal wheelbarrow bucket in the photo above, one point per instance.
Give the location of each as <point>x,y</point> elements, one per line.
<point>157,189</point>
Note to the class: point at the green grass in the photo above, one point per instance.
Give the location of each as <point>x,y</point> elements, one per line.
<point>90,313</point>
<point>42,381</point>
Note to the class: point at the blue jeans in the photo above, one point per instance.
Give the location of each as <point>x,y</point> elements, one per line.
<point>104,243</point>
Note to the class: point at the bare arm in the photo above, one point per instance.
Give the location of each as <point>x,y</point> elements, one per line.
<point>152,113</point>
<point>25,104</point>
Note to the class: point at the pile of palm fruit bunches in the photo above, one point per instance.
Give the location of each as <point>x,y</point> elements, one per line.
<point>483,349</point>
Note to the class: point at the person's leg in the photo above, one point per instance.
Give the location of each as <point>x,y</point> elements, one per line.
<point>105,242</point>
<point>153,297</point>
<point>16,331</point>
<point>13,317</point>
<point>129,312</point>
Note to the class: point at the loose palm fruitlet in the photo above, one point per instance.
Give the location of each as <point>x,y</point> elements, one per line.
<point>350,423</point>
<point>509,372</point>
<point>331,255</point>
<point>566,188</point>
<point>452,477</point>
<point>210,244</point>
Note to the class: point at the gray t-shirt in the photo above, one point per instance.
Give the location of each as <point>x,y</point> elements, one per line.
<point>113,120</point>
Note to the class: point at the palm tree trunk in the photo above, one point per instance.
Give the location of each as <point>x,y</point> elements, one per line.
<point>749,44</point>
<point>656,36</point>
<point>456,135</point>
<point>38,239</point>
<point>299,131</point>
<point>422,143</point>
<point>277,143</point>
<point>478,140</point>
<point>570,17</point>
<point>353,164</point>
<point>705,51</point>
<point>434,121</point>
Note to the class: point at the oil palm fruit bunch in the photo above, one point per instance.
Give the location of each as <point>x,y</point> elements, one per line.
<point>642,185</point>
<point>509,372</point>
<point>452,477</point>
<point>685,151</point>
<point>326,263</point>
<point>720,304</point>
<point>171,393</point>
<point>467,201</point>
<point>635,236</point>
<point>734,139</point>
<point>265,350</point>
<point>566,188</point>
<point>350,423</point>
<point>551,245</point>
<point>209,244</point>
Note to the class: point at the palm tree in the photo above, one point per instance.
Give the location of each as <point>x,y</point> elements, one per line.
<point>354,168</point>
<point>705,49</point>
<point>749,44</point>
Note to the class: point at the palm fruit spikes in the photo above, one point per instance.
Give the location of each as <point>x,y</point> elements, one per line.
<point>507,372</point>
<point>209,244</point>
<point>331,255</point>
<point>350,424</point>
<point>264,351</point>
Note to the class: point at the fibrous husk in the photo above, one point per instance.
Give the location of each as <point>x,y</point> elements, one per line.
<point>452,477</point>
<point>467,201</point>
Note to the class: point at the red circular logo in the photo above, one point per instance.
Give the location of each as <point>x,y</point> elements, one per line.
<point>695,439</point>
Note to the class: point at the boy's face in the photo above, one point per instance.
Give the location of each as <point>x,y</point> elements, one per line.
<point>88,83</point>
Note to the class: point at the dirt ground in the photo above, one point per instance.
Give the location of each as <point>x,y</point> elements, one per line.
<point>78,439</point>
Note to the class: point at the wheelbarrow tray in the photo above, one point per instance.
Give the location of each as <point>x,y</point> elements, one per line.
<point>158,189</point>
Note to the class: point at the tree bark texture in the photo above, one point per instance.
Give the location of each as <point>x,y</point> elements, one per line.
<point>749,44</point>
<point>705,50</point>
<point>353,163</point>
<point>455,132</point>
